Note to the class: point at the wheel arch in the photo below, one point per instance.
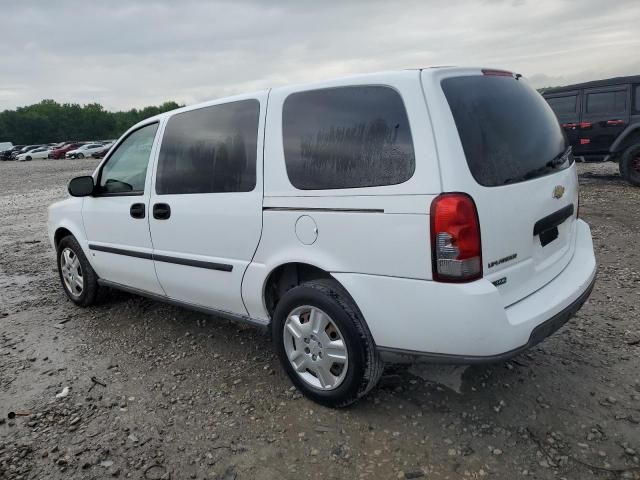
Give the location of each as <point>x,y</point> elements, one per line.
<point>64,230</point>
<point>287,275</point>
<point>630,136</point>
<point>59,234</point>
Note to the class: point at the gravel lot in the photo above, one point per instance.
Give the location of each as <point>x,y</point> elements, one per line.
<point>191,396</point>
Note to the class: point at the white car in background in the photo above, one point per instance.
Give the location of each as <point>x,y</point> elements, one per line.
<point>84,150</point>
<point>35,154</point>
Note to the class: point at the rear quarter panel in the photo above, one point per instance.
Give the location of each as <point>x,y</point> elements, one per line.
<point>380,231</point>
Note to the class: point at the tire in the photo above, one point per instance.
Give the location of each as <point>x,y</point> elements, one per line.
<point>27,158</point>
<point>90,288</point>
<point>630,165</point>
<point>80,155</point>
<point>354,377</point>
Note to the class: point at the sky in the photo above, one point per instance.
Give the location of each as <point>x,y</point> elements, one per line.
<point>134,53</point>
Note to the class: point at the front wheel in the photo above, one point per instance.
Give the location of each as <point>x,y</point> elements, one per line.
<point>630,165</point>
<point>78,279</point>
<point>80,155</point>
<point>324,344</point>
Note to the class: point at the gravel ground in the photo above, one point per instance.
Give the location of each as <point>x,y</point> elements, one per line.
<point>183,395</point>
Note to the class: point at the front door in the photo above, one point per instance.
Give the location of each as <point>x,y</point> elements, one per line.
<point>206,203</point>
<point>116,217</point>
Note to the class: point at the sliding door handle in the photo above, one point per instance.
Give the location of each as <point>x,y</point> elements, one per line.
<point>161,211</point>
<point>137,210</point>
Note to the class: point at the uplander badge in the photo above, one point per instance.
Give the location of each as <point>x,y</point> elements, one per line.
<point>502,260</point>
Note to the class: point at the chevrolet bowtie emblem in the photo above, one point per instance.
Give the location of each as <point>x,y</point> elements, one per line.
<point>558,191</point>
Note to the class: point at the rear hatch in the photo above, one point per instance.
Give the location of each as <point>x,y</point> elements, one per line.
<point>516,164</point>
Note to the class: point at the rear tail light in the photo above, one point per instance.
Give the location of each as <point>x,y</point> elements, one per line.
<point>455,238</point>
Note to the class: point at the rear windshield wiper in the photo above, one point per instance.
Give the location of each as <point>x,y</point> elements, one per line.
<point>561,158</point>
<point>552,164</point>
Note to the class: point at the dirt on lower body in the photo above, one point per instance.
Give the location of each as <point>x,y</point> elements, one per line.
<point>133,388</point>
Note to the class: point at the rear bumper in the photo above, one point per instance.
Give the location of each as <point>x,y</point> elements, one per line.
<point>467,323</point>
<point>542,331</point>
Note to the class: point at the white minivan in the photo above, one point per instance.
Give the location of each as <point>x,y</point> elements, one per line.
<point>421,214</point>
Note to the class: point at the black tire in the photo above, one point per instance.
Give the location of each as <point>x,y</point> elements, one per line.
<point>630,165</point>
<point>80,155</point>
<point>364,366</point>
<point>90,288</point>
<point>28,158</point>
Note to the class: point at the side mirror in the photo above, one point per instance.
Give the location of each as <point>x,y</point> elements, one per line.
<point>81,186</point>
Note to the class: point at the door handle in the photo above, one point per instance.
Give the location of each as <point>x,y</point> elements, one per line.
<point>137,210</point>
<point>161,211</point>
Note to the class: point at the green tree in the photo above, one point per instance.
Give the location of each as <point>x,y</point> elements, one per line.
<point>49,121</point>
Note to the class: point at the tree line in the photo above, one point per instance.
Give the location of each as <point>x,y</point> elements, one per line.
<point>50,121</point>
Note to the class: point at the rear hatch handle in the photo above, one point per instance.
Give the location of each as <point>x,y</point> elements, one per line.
<point>553,220</point>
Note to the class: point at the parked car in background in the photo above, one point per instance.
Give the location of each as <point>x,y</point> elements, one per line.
<point>34,154</point>
<point>102,152</point>
<point>602,121</point>
<point>6,154</point>
<point>25,149</point>
<point>5,146</point>
<point>58,153</point>
<point>473,250</point>
<point>84,150</point>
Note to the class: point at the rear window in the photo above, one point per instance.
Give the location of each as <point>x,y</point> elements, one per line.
<point>508,131</point>
<point>347,137</point>
<point>607,102</point>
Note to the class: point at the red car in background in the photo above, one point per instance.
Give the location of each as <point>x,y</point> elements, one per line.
<point>61,152</point>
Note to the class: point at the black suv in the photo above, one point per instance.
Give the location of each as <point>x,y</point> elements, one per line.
<point>602,121</point>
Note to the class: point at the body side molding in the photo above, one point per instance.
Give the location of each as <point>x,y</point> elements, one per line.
<point>223,267</point>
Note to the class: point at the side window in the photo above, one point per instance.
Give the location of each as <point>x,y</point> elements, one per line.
<point>210,150</point>
<point>347,137</point>
<point>607,102</point>
<point>126,169</point>
<point>636,98</point>
<point>562,105</point>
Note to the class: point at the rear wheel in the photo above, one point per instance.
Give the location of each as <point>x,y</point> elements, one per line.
<point>78,279</point>
<point>324,344</point>
<point>630,165</point>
